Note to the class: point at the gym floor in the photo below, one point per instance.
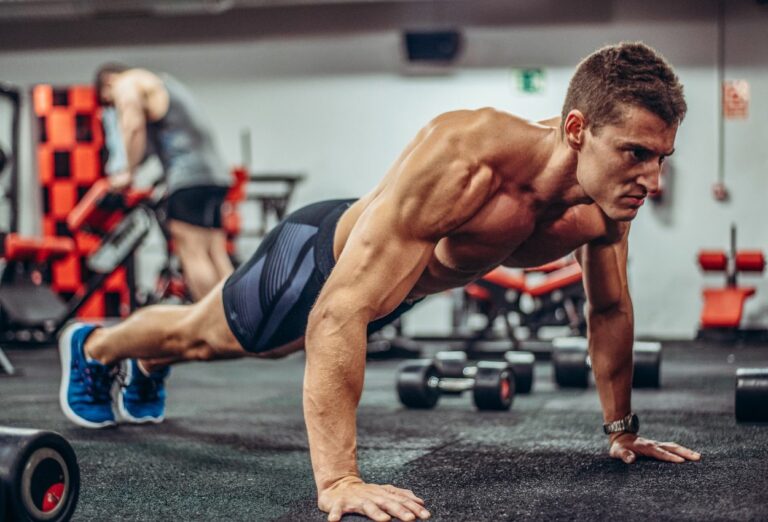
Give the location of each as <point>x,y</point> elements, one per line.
<point>233,446</point>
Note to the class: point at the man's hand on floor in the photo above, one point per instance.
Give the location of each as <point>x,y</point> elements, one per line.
<point>380,503</point>
<point>628,446</point>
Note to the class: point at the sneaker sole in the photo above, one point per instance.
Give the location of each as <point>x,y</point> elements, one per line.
<point>65,355</point>
<point>123,411</point>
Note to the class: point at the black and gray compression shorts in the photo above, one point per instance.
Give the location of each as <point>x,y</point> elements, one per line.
<point>268,299</point>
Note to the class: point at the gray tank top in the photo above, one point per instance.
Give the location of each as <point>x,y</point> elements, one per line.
<point>184,144</point>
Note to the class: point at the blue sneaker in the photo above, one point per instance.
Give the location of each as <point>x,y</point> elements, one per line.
<point>142,399</point>
<point>85,389</point>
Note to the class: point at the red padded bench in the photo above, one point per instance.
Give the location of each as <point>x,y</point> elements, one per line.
<point>566,276</point>
<point>724,307</point>
<point>560,275</point>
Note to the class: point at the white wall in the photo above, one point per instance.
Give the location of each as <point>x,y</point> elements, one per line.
<point>340,108</point>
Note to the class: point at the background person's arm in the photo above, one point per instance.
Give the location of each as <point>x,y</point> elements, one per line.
<point>132,121</point>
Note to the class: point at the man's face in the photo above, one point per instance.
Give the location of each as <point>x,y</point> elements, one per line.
<point>620,164</point>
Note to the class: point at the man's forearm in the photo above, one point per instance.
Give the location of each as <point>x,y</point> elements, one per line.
<point>333,383</point>
<point>611,337</point>
<point>135,145</point>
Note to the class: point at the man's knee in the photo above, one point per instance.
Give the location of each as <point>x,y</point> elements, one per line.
<point>208,326</point>
<point>200,353</point>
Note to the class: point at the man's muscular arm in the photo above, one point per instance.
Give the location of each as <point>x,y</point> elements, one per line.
<point>610,322</point>
<point>434,189</point>
<point>610,325</point>
<point>130,112</point>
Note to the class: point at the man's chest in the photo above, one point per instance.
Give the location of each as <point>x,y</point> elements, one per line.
<point>520,240</point>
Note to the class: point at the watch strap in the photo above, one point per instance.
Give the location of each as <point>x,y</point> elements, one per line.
<point>623,424</point>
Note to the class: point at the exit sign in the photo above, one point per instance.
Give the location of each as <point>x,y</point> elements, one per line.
<point>530,81</point>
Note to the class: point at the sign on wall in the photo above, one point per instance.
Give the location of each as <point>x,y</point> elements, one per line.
<point>735,99</point>
<point>530,81</point>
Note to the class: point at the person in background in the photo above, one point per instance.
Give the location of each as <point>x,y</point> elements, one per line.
<point>157,115</point>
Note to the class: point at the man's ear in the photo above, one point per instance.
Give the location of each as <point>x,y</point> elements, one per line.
<point>574,127</point>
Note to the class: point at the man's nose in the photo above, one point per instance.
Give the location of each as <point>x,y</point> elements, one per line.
<point>651,180</point>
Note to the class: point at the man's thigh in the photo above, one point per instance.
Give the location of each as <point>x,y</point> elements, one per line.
<point>188,237</point>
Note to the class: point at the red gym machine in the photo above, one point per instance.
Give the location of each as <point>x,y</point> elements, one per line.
<point>556,298</point>
<point>30,310</point>
<point>723,308</point>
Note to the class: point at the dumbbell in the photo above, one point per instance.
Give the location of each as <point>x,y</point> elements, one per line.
<point>420,383</point>
<point>520,361</point>
<point>453,364</point>
<point>572,365</point>
<point>39,476</point>
<point>752,395</point>
<point>647,361</point>
<point>522,364</point>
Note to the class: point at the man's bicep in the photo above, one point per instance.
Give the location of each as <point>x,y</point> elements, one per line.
<point>378,266</point>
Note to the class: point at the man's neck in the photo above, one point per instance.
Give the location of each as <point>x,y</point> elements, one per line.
<point>556,185</point>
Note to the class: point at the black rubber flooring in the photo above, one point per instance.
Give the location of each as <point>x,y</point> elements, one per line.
<point>233,446</point>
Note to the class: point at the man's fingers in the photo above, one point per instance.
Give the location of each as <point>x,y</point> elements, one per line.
<point>398,509</point>
<point>407,493</point>
<point>371,510</point>
<point>406,505</point>
<point>417,509</point>
<point>334,515</point>
<point>623,453</point>
<point>659,453</point>
<point>677,449</point>
<point>401,507</point>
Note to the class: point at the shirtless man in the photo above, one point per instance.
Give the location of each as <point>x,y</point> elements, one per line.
<point>157,113</point>
<point>473,190</point>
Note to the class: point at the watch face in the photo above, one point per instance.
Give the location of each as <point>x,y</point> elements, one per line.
<point>634,424</point>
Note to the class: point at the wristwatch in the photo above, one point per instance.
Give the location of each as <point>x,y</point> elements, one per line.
<point>630,424</point>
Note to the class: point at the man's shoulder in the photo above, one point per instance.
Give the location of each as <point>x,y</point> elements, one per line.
<point>137,80</point>
<point>483,116</point>
<point>488,132</point>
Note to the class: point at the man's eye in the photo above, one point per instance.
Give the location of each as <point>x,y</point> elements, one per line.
<point>640,154</point>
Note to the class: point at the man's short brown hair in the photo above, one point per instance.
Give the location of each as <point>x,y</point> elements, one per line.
<point>101,74</point>
<point>628,73</point>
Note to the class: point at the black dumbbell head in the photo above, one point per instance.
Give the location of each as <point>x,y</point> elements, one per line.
<point>451,364</point>
<point>522,364</point>
<point>417,384</point>
<point>40,475</point>
<point>647,365</point>
<point>570,361</point>
<point>494,387</point>
<point>752,395</point>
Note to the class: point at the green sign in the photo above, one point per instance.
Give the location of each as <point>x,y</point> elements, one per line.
<point>530,81</point>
